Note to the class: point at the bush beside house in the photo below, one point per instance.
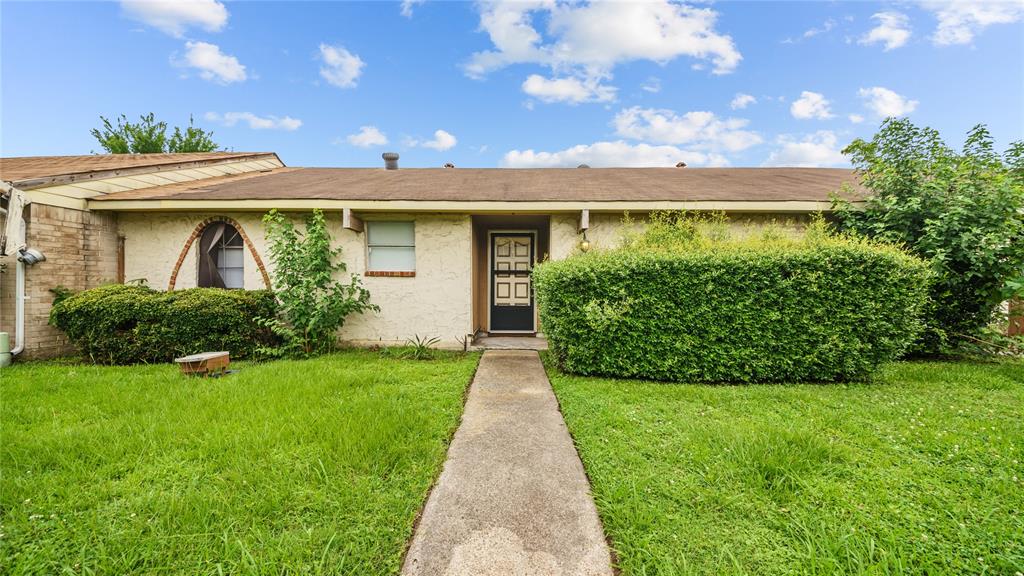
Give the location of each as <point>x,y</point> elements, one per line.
<point>126,324</point>
<point>821,309</point>
<point>313,299</point>
<point>963,211</point>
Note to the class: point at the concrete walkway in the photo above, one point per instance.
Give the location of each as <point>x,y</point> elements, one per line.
<point>513,497</point>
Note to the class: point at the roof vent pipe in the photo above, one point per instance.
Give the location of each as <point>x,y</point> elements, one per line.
<point>583,166</point>
<point>449,165</point>
<point>681,165</point>
<point>390,160</point>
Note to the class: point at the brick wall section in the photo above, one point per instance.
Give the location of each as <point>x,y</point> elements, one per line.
<point>81,252</point>
<point>7,296</point>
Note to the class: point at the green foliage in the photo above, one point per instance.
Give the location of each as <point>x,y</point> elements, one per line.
<point>125,324</point>
<point>191,140</point>
<point>672,231</point>
<point>313,303</point>
<point>146,137</point>
<point>416,348</point>
<point>60,292</point>
<point>150,137</point>
<point>962,211</point>
<point>681,305</point>
<point>991,343</point>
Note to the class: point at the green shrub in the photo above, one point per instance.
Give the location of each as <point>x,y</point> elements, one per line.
<point>313,303</point>
<point>814,309</point>
<point>124,324</point>
<point>963,211</point>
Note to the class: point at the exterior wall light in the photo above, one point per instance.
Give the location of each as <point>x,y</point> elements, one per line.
<point>30,256</point>
<point>584,244</point>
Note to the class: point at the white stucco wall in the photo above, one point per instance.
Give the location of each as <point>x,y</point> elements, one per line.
<point>437,302</point>
<point>605,232</point>
<point>153,241</point>
<point>563,239</point>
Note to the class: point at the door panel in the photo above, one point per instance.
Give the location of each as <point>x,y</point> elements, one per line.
<point>512,303</point>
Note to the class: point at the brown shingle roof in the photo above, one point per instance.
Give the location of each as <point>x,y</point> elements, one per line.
<point>514,185</point>
<point>30,168</point>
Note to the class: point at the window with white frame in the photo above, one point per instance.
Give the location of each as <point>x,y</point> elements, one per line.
<point>390,247</point>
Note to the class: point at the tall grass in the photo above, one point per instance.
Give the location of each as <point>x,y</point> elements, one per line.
<point>918,472</point>
<point>316,466</point>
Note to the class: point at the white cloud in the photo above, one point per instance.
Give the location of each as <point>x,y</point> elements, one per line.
<point>856,118</point>
<point>571,90</point>
<point>608,154</point>
<point>367,136</point>
<point>589,40</point>
<point>212,64</point>
<point>255,122</point>
<point>884,102</point>
<point>652,85</point>
<point>701,130</point>
<point>600,35</point>
<point>810,105</point>
<point>893,30</point>
<point>174,17</point>
<point>811,151</point>
<point>741,101</point>
<point>960,21</point>
<point>442,141</point>
<point>408,5</point>
<point>341,68</point>
<point>826,27</point>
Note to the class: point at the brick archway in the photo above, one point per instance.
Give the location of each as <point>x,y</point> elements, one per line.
<point>199,231</point>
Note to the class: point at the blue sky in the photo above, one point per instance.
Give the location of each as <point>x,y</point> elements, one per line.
<point>517,84</point>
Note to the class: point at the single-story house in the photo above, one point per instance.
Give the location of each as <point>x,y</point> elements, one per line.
<point>445,252</point>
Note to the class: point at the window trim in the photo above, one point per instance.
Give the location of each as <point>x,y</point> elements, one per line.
<point>389,273</point>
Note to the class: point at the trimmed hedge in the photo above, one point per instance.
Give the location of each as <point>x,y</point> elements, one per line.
<point>827,310</point>
<point>125,324</point>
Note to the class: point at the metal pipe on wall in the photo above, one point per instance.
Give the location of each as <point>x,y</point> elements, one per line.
<point>19,309</point>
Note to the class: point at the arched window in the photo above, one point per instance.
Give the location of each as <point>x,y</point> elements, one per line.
<point>221,257</point>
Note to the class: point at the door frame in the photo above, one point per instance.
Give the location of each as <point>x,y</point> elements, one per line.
<point>490,278</point>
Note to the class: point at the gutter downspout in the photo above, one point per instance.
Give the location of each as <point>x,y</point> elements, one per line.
<point>19,310</point>
<point>5,343</point>
<point>15,206</point>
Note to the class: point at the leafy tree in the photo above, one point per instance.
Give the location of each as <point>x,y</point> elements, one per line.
<point>150,137</point>
<point>192,140</point>
<point>962,211</point>
<point>313,303</point>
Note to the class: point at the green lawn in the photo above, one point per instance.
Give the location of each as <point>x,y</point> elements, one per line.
<point>919,472</point>
<point>315,466</point>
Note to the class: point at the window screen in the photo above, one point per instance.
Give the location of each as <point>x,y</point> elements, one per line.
<point>391,246</point>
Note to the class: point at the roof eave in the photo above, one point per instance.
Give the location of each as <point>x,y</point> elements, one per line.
<point>461,206</point>
<point>91,175</point>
